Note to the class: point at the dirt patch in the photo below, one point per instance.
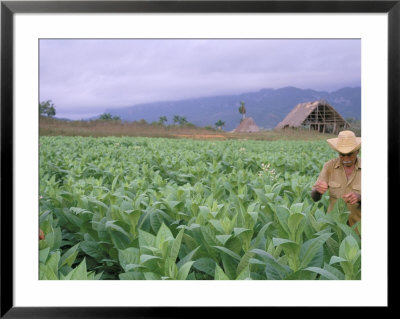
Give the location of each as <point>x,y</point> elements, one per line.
<point>201,136</point>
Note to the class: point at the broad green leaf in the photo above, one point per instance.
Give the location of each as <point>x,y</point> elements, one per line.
<point>72,219</point>
<point>53,261</point>
<point>98,276</point>
<point>244,261</point>
<point>69,256</point>
<point>130,267</point>
<point>53,239</point>
<point>184,270</point>
<point>323,272</point>
<point>134,275</point>
<point>151,276</point>
<point>229,265</point>
<point>273,268</point>
<point>261,196</point>
<point>349,249</point>
<point>92,248</point>
<point>256,242</point>
<point>164,234</point>
<point>245,274</point>
<point>157,218</point>
<point>238,231</point>
<point>302,274</point>
<point>146,239</point>
<point>145,258</point>
<point>43,216</point>
<point>128,256</point>
<point>165,247</point>
<point>188,257</point>
<point>219,274</point>
<point>171,269</point>
<point>78,273</point>
<point>171,204</point>
<point>288,245</point>
<point>255,261</point>
<point>318,259</point>
<point>111,226</point>
<point>208,235</point>
<point>336,259</point>
<point>78,211</point>
<point>347,231</point>
<point>96,202</point>
<point>282,213</point>
<point>217,225</point>
<point>119,239</point>
<point>114,183</point>
<point>133,219</point>
<point>334,271</point>
<point>234,244</point>
<point>223,238</point>
<point>228,252</point>
<point>43,253</point>
<point>206,265</point>
<point>332,246</point>
<point>254,217</point>
<point>176,245</point>
<point>204,211</point>
<point>90,275</point>
<point>311,247</point>
<point>296,223</point>
<point>296,208</point>
<point>46,273</point>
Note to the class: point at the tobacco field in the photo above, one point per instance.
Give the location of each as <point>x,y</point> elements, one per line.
<point>136,208</point>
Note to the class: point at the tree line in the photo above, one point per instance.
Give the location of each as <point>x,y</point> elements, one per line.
<point>47,108</point>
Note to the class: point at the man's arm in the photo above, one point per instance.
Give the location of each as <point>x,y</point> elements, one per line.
<point>319,188</point>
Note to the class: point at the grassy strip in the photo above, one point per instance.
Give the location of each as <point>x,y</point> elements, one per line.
<point>99,128</point>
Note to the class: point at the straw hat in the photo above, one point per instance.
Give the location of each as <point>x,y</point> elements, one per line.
<point>345,143</point>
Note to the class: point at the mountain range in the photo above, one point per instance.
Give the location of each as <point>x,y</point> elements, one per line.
<point>267,107</point>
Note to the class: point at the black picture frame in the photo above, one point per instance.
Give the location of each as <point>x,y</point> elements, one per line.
<point>9,8</point>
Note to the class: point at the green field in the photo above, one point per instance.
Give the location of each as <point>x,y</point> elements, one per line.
<point>157,208</point>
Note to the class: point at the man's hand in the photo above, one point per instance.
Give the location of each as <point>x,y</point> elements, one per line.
<point>321,187</point>
<point>352,198</point>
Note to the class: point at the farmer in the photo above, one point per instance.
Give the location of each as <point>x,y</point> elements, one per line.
<point>342,175</point>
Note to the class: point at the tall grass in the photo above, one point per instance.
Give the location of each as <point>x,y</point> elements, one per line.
<point>102,128</point>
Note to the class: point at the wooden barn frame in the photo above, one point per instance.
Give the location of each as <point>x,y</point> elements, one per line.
<point>317,115</point>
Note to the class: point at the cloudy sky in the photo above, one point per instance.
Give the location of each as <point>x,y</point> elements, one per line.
<point>85,77</point>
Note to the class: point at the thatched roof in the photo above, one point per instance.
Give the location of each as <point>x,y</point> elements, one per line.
<point>247,125</point>
<point>298,116</point>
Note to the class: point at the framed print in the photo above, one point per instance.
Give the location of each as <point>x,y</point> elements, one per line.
<point>29,29</point>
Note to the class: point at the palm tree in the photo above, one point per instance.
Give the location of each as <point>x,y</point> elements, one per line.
<point>219,124</point>
<point>182,120</point>
<point>176,118</point>
<point>242,110</point>
<point>163,119</point>
<point>105,116</point>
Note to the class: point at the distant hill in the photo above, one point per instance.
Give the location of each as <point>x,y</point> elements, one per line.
<point>267,107</point>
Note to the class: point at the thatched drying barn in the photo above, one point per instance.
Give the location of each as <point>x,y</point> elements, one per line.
<point>317,115</point>
<point>247,125</point>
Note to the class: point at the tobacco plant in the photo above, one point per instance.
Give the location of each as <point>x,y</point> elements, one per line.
<point>158,209</point>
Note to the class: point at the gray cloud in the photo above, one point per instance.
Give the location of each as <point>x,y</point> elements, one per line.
<point>83,77</point>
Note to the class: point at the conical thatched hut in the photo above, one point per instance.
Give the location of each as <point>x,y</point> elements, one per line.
<point>247,125</point>
<point>317,115</point>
